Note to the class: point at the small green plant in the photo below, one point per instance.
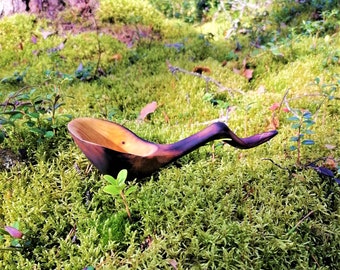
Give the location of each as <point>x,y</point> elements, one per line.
<point>118,187</point>
<point>37,113</point>
<point>209,97</point>
<point>16,78</point>
<point>302,121</point>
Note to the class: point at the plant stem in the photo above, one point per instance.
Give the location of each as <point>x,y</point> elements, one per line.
<point>298,161</point>
<point>300,221</point>
<point>126,204</point>
<point>222,88</point>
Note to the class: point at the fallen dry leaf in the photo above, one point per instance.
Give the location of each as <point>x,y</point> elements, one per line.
<point>330,146</point>
<point>261,90</point>
<point>117,57</point>
<point>274,123</point>
<point>166,117</point>
<point>200,69</point>
<point>21,46</point>
<point>275,106</point>
<point>34,39</point>
<point>331,163</point>
<point>173,263</point>
<point>244,71</point>
<point>149,108</point>
<point>248,73</point>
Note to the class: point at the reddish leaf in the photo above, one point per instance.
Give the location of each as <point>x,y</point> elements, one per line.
<point>14,232</point>
<point>248,73</point>
<point>275,106</point>
<point>149,108</point>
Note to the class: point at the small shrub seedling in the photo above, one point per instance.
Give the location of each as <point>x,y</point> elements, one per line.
<point>209,97</point>
<point>302,123</point>
<point>118,187</point>
<point>302,120</point>
<point>32,114</point>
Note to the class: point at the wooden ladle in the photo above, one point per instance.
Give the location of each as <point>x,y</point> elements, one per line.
<point>112,147</point>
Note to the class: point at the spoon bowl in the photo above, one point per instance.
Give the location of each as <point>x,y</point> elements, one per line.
<point>111,147</point>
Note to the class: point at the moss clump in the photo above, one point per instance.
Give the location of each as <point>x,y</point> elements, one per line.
<point>127,12</point>
<point>215,208</point>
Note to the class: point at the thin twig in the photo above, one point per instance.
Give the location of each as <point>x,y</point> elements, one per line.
<point>283,168</point>
<point>283,100</point>
<point>122,195</point>
<point>288,107</point>
<point>300,221</point>
<point>207,79</point>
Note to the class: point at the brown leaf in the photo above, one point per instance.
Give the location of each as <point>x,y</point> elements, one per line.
<point>166,117</point>
<point>200,69</point>
<point>149,108</point>
<point>331,164</point>
<point>274,123</point>
<point>117,57</point>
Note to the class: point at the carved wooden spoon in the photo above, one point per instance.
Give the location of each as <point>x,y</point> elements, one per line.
<point>112,147</point>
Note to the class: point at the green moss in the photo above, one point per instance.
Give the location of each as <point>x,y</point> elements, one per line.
<point>126,12</point>
<point>215,208</point>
